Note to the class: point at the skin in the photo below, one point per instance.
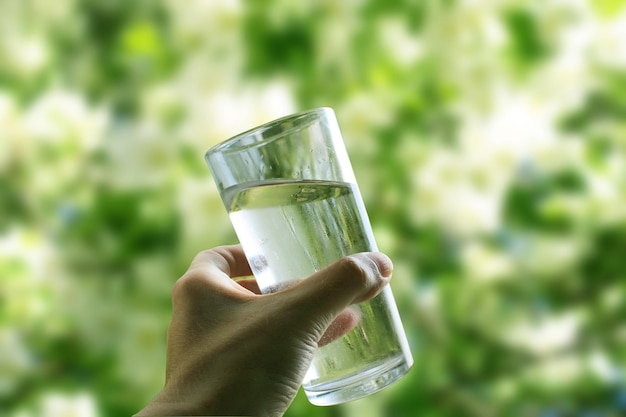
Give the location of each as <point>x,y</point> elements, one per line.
<point>232,351</point>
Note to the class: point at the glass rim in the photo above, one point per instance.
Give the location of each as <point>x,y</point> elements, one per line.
<point>229,143</point>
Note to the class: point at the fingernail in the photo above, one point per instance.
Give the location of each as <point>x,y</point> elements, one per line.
<point>383,263</point>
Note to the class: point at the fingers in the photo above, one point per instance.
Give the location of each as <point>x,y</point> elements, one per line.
<point>250,285</point>
<point>342,324</point>
<point>211,273</point>
<point>230,260</point>
<point>350,280</point>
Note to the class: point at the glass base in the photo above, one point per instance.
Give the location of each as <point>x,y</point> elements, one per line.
<point>359,385</point>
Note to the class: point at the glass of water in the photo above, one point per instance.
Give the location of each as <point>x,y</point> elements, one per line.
<point>293,200</point>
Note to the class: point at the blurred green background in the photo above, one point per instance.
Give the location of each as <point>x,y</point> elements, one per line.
<point>488,139</point>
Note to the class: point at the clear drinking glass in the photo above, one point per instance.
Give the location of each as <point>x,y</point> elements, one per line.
<point>293,200</point>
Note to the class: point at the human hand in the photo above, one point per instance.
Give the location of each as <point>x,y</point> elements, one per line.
<point>233,351</point>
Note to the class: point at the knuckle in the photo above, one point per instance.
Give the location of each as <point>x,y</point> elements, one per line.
<point>356,271</point>
<point>187,286</point>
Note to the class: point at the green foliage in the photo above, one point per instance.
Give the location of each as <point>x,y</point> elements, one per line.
<point>527,45</point>
<point>607,8</point>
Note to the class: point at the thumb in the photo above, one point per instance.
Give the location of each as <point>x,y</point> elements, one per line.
<point>350,280</point>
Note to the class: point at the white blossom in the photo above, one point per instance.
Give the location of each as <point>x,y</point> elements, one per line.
<point>204,219</point>
<point>58,404</point>
<point>456,193</point>
<point>220,114</point>
<point>139,156</point>
<point>608,44</point>
<point>404,47</point>
<point>63,118</point>
<point>484,264</point>
<point>550,335</point>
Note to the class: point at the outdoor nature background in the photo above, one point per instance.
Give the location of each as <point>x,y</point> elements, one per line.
<point>488,139</point>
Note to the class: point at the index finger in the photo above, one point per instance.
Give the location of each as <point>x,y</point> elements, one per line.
<point>231,260</point>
